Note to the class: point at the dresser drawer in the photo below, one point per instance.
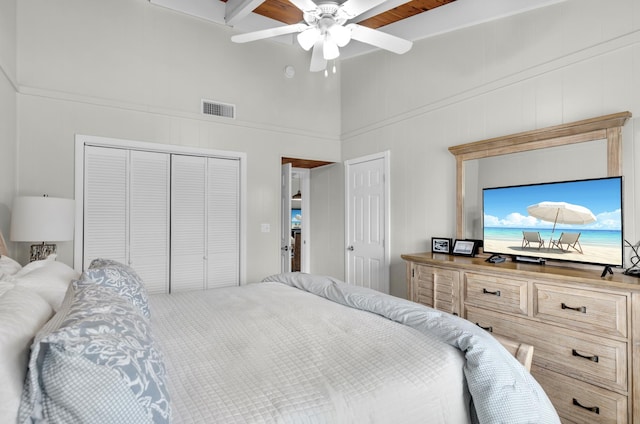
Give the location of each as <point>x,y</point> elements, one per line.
<point>436,287</point>
<point>505,295</point>
<point>581,402</point>
<point>593,311</point>
<point>592,359</point>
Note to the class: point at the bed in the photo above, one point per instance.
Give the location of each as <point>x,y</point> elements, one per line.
<point>295,348</point>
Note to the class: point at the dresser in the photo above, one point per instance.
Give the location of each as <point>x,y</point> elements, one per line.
<point>585,329</point>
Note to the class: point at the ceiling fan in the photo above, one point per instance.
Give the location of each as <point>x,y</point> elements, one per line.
<point>325,31</point>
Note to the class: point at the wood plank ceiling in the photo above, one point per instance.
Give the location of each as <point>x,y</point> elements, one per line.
<point>285,12</point>
<point>304,163</point>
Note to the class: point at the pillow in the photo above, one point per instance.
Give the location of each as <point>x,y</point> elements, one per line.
<point>8,266</point>
<point>101,365</point>
<point>49,279</point>
<point>22,313</point>
<point>5,286</point>
<point>102,262</point>
<point>118,277</point>
<point>34,265</point>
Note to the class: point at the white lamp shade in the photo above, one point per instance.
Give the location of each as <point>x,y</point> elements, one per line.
<point>308,37</point>
<point>341,35</point>
<point>41,219</point>
<point>330,49</point>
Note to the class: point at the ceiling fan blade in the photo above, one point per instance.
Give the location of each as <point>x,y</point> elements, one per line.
<point>268,33</point>
<point>353,8</point>
<point>379,39</point>
<point>304,5</point>
<point>318,62</point>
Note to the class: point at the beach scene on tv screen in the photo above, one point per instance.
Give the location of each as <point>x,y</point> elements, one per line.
<point>576,221</point>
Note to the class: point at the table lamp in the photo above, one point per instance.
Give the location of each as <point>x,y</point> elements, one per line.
<point>42,219</point>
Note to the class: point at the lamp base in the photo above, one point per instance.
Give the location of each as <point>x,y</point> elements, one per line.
<point>42,251</point>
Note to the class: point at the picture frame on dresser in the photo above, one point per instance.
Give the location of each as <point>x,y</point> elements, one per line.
<point>465,247</point>
<point>440,245</point>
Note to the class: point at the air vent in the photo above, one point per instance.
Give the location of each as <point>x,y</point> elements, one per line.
<point>225,110</point>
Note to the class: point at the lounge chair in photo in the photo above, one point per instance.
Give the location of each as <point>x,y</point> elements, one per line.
<point>568,239</point>
<point>529,237</point>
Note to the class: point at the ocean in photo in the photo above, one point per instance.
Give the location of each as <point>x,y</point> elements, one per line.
<point>602,238</point>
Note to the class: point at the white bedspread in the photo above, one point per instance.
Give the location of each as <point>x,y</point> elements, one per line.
<point>502,391</point>
<point>269,353</point>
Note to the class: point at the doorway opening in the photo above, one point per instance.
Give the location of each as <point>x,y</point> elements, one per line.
<point>295,246</point>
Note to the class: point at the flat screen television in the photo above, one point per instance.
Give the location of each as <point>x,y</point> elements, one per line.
<point>296,219</point>
<point>578,221</point>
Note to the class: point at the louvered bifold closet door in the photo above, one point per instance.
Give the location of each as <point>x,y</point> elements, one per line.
<point>126,211</point>
<point>105,204</point>
<point>223,222</point>
<point>188,224</point>
<point>149,218</point>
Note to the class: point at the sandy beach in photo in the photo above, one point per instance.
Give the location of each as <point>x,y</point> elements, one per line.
<point>592,253</point>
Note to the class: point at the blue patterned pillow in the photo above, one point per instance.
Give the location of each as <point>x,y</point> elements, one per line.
<point>101,366</point>
<point>119,277</point>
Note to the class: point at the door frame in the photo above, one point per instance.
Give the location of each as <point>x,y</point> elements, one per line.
<point>304,175</point>
<point>385,156</point>
<point>285,217</point>
<point>87,140</point>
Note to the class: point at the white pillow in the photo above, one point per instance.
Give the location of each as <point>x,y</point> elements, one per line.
<point>32,266</point>
<point>5,286</point>
<point>50,280</point>
<point>8,266</point>
<point>22,313</point>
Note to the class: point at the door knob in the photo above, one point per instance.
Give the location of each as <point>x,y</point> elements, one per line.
<point>285,249</point>
<point>350,248</point>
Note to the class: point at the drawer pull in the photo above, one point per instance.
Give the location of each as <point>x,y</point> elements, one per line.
<point>582,309</point>
<point>489,328</point>
<point>588,408</point>
<point>495,293</point>
<point>593,358</point>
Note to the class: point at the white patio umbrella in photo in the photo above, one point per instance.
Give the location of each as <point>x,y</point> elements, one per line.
<point>561,213</point>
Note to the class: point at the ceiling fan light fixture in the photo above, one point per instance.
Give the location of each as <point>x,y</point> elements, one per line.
<point>341,35</point>
<point>330,49</point>
<point>308,37</point>
<point>327,28</point>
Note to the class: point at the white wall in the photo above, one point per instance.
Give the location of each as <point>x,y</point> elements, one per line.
<point>7,111</point>
<point>128,69</point>
<point>571,61</point>
<point>327,230</point>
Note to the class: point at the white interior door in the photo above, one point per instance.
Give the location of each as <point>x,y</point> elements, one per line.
<point>223,222</point>
<point>106,205</point>
<point>188,222</point>
<point>367,220</point>
<point>149,218</point>
<point>285,217</point>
